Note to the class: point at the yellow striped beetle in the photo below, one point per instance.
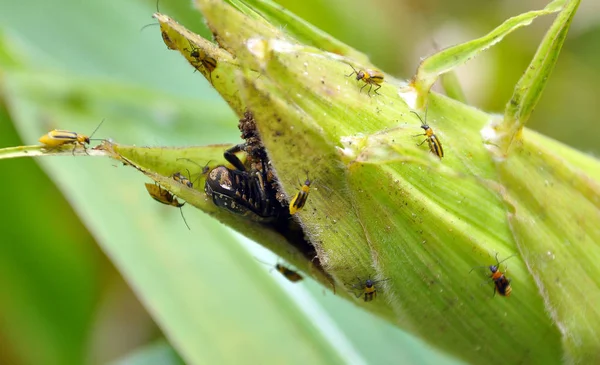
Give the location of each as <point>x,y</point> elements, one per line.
<point>164,196</point>
<point>369,77</point>
<point>59,137</point>
<point>180,178</point>
<point>435,145</point>
<point>300,198</point>
<point>289,274</point>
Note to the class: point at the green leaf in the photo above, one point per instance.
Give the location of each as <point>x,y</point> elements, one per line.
<point>452,87</point>
<point>450,58</point>
<point>529,88</point>
<point>49,275</point>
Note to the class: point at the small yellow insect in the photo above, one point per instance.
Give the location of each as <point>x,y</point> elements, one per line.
<point>289,274</point>
<point>209,63</point>
<point>369,77</point>
<point>59,137</point>
<point>164,196</point>
<point>435,146</point>
<point>300,198</point>
<point>180,178</point>
<point>367,288</point>
<point>204,168</point>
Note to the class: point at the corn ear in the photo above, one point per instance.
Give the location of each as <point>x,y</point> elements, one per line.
<point>386,208</point>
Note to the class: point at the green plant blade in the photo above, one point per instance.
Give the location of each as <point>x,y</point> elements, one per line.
<point>528,90</point>
<point>448,59</point>
<point>452,87</point>
<point>50,280</point>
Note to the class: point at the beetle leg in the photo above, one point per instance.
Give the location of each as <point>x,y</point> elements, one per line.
<point>377,88</point>
<point>230,156</point>
<point>363,87</point>
<point>425,140</point>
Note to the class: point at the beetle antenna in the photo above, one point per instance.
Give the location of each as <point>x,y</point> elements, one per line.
<point>478,267</point>
<point>262,262</point>
<point>184,221</point>
<point>194,162</point>
<point>202,172</point>
<point>147,25</point>
<point>499,262</point>
<point>94,132</point>
<point>307,178</point>
<point>353,72</point>
<point>266,263</point>
<point>206,167</point>
<point>418,116</point>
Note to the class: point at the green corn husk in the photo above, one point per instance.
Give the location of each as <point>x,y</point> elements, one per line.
<point>385,208</point>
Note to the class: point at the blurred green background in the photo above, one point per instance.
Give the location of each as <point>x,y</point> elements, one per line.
<point>92,271</point>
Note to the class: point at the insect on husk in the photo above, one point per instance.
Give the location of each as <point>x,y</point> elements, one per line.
<point>182,179</point>
<point>369,77</point>
<point>435,146</point>
<point>58,137</point>
<point>200,56</point>
<point>288,273</point>
<point>367,288</point>
<point>186,180</point>
<point>165,197</point>
<point>300,198</point>
<point>501,282</point>
<point>204,170</point>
